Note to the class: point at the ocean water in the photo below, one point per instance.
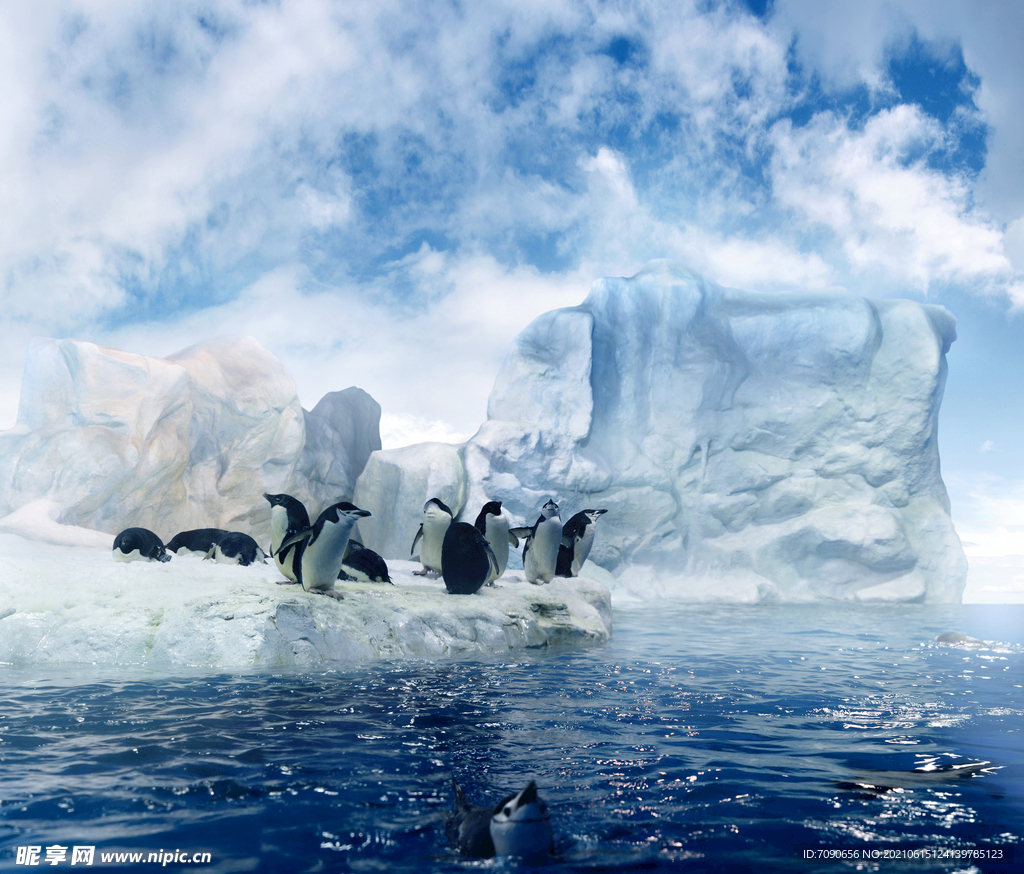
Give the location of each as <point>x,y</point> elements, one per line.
<point>701,738</point>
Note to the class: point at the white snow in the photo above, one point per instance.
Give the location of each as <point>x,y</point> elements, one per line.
<point>74,605</point>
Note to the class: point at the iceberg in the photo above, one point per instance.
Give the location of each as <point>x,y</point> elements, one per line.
<point>748,447</point>
<point>193,440</point>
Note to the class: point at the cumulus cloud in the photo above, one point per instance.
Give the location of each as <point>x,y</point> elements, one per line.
<point>393,190</point>
<point>887,209</point>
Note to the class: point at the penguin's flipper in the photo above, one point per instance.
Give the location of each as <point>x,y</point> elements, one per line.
<point>416,539</point>
<point>495,571</point>
<point>512,539</point>
<point>213,549</point>
<point>514,533</point>
<point>295,538</point>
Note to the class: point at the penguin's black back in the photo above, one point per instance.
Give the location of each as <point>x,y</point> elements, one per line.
<point>464,561</point>
<point>468,826</point>
<point>196,540</point>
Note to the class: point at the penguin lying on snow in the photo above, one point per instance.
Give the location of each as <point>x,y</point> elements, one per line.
<point>577,539</point>
<point>321,548</point>
<point>494,526</point>
<point>519,826</point>
<point>236,548</point>
<point>540,552</point>
<point>197,540</point>
<point>139,544</point>
<point>437,516</point>
<point>288,517</point>
<point>363,565</point>
<point>467,561</point>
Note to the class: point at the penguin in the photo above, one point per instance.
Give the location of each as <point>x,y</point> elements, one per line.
<point>540,552</point>
<point>494,526</point>
<point>139,544</point>
<point>236,548</point>
<point>519,826</point>
<point>467,561</point>
<point>197,540</point>
<point>363,565</point>
<point>577,539</point>
<point>321,547</point>
<point>437,516</point>
<point>288,517</point>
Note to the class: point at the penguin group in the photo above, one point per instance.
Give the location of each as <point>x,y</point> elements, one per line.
<point>311,555</point>
<point>316,554</point>
<point>224,547</point>
<point>468,557</point>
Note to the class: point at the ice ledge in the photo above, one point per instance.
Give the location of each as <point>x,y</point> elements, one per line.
<point>73,605</point>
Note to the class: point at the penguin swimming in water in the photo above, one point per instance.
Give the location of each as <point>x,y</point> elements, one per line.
<point>494,525</point>
<point>577,539</point>
<point>139,544</point>
<point>197,540</point>
<point>540,552</point>
<point>321,548</point>
<point>437,516</point>
<point>467,561</point>
<point>288,517</point>
<point>236,548</point>
<point>519,826</point>
<point>363,565</point>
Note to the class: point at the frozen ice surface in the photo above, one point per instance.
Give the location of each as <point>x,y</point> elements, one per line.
<point>72,604</point>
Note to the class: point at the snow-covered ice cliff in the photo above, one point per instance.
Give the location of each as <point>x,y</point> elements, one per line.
<point>188,441</point>
<point>747,446</point>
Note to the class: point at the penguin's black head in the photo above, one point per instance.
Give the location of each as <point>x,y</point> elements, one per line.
<point>492,507</point>
<point>440,504</point>
<point>345,508</point>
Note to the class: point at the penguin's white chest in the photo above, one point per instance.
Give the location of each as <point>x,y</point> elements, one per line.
<point>543,553</point>
<point>496,536</point>
<point>278,529</point>
<point>321,559</point>
<point>435,524</point>
<point>581,549</point>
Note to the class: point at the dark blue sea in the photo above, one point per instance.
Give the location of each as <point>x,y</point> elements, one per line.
<point>701,738</point>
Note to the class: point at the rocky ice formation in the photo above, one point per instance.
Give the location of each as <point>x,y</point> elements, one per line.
<point>747,446</point>
<point>193,613</point>
<point>188,441</point>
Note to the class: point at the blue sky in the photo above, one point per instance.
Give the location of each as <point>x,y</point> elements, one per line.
<point>385,193</point>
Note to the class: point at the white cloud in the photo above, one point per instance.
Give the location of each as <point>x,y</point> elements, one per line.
<point>890,214</point>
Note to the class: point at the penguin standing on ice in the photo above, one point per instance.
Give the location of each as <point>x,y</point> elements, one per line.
<point>437,516</point>
<point>321,548</point>
<point>577,539</point>
<point>467,561</point>
<point>494,526</point>
<point>540,552</point>
<point>236,548</point>
<point>288,517</point>
<point>139,544</point>
<point>519,826</point>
